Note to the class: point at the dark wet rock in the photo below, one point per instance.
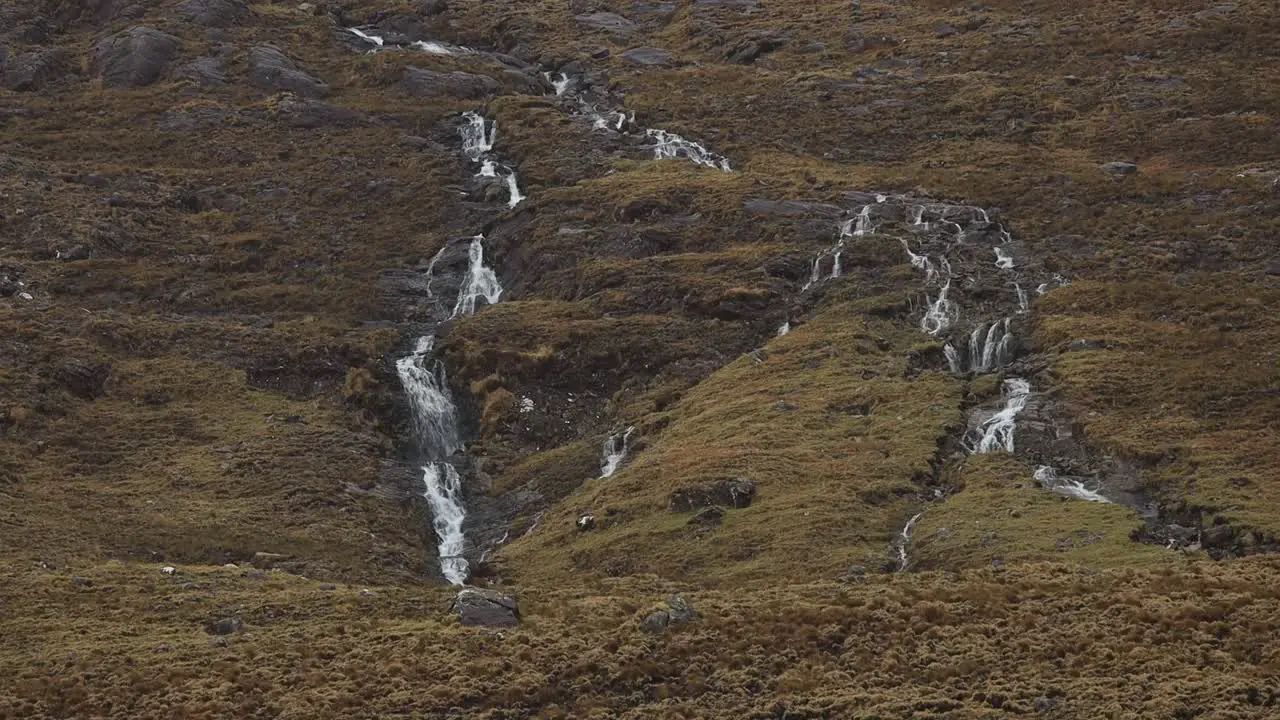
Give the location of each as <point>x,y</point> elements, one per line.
<point>945,31</point>
<point>136,57</point>
<point>486,608</point>
<point>81,582</point>
<point>611,22</point>
<point>648,56</point>
<point>708,516</point>
<point>429,83</point>
<point>751,50</point>
<point>1273,269</point>
<point>270,69</point>
<point>213,13</point>
<point>32,71</point>
<point>737,493</point>
<point>659,12</point>
<point>784,406</point>
<point>1219,10</point>
<point>431,8</point>
<point>791,208</point>
<point>224,626</point>
<point>83,378</point>
<point>204,71</point>
<point>523,83</point>
<point>1120,168</point>
<point>744,6</point>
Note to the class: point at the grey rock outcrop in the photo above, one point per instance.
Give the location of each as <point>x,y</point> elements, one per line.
<point>429,83</point>
<point>134,58</point>
<point>271,69</point>
<point>486,608</point>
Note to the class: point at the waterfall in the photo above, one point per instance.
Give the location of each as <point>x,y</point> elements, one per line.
<point>941,313</point>
<point>1004,260</point>
<point>478,135</point>
<point>560,84</point>
<point>904,538</point>
<point>373,40</point>
<point>434,415</point>
<point>443,492</point>
<point>1051,481</point>
<point>996,433</point>
<point>784,328</point>
<point>988,349</point>
<point>615,451</point>
<point>513,190</point>
<point>481,282</point>
<point>430,46</point>
<point>670,145</point>
<point>1024,302</point>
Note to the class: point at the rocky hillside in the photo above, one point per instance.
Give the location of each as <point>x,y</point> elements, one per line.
<point>740,358</point>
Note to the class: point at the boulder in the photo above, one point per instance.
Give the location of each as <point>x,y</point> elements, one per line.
<point>1120,168</point>
<point>432,7</point>
<point>34,70</point>
<point>611,22</point>
<point>270,69</point>
<point>133,58</point>
<point>791,208</point>
<point>83,378</point>
<point>429,83</point>
<point>677,612</point>
<point>203,71</point>
<point>213,13</point>
<point>224,626</point>
<point>648,56</point>
<point>486,608</point>
<point>737,493</point>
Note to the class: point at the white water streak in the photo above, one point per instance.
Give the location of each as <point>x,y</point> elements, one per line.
<point>670,145</point>
<point>1004,260</point>
<point>434,415</point>
<point>942,313</point>
<point>443,492</point>
<point>1049,478</point>
<point>996,433</point>
<point>904,539</point>
<point>478,135</point>
<point>615,451</point>
<point>481,282</point>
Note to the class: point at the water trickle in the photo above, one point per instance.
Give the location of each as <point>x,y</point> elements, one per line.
<point>488,169</point>
<point>561,83</point>
<point>1051,481</point>
<point>996,433</point>
<point>1004,260</point>
<point>904,539</point>
<point>443,492</point>
<point>670,145</point>
<point>481,282</point>
<point>920,262</point>
<point>1024,302</point>
<point>478,135</point>
<point>435,417</point>
<point>615,451</point>
<point>513,190</point>
<point>953,358</point>
<point>429,46</point>
<point>373,40</point>
<point>941,313</point>
<point>784,328</point>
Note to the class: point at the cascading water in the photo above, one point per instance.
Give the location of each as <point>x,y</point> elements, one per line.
<point>904,539</point>
<point>996,433</point>
<point>670,145</point>
<point>941,313</point>
<point>481,282</point>
<point>1051,481</point>
<point>560,83</point>
<point>615,451</point>
<point>434,415</point>
<point>1004,260</point>
<point>989,348</point>
<point>443,492</point>
<point>478,135</point>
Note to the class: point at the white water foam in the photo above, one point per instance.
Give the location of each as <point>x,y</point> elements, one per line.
<point>942,313</point>
<point>561,83</point>
<point>1004,260</point>
<point>442,488</point>
<point>478,135</point>
<point>481,282</point>
<point>615,451</point>
<point>784,328</point>
<point>430,46</point>
<point>1051,481</point>
<point>996,433</point>
<point>434,415</point>
<point>513,190</point>
<point>904,538</point>
<point>670,145</point>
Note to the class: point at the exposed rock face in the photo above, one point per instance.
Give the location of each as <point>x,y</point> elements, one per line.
<point>429,83</point>
<point>727,493</point>
<point>605,21</point>
<point>83,378</point>
<point>677,612</point>
<point>224,626</point>
<point>34,70</point>
<point>213,13</point>
<point>136,57</point>
<point>204,71</point>
<point>648,56</point>
<point>486,608</point>
<point>1120,168</point>
<point>271,69</point>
